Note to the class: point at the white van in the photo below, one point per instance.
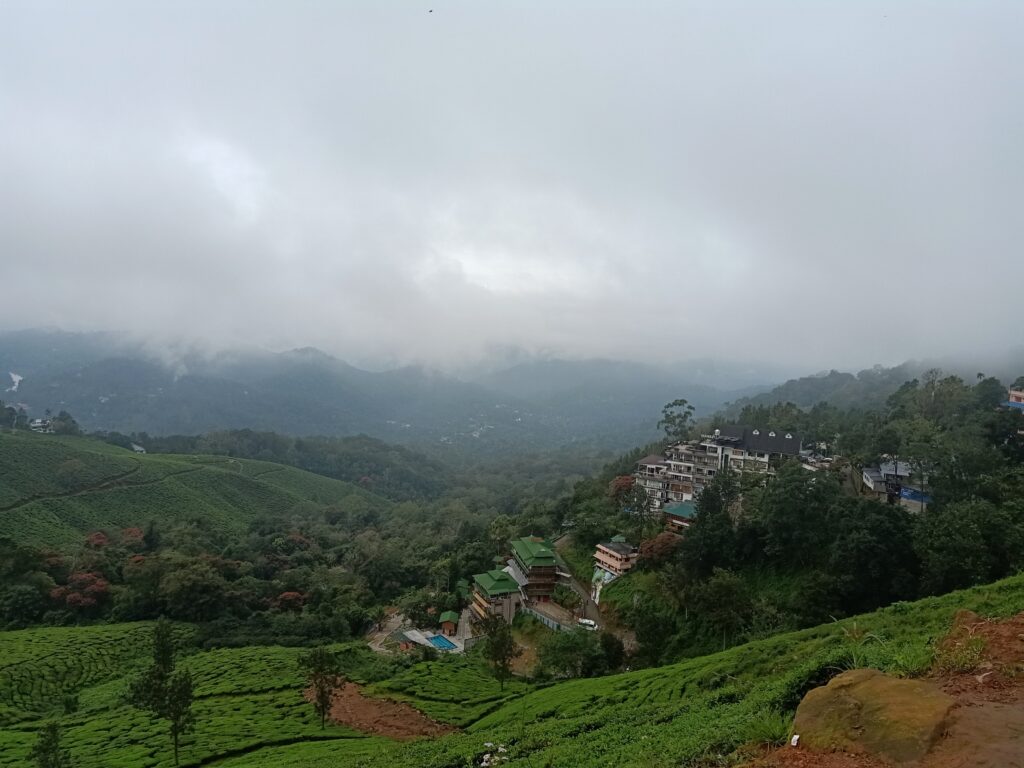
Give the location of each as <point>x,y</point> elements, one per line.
<point>587,624</point>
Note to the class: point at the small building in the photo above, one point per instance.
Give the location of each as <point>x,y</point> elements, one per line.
<point>872,482</point>
<point>893,481</point>
<point>616,556</point>
<point>403,641</point>
<point>679,515</point>
<point>138,448</point>
<point>534,568</point>
<point>495,593</point>
<point>43,426</point>
<point>1015,398</point>
<point>612,559</point>
<point>449,622</point>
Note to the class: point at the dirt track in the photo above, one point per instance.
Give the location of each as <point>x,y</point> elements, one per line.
<point>381,717</point>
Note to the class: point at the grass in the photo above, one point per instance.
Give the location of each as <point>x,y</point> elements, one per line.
<point>43,503</point>
<point>250,710</point>
<point>38,667</point>
<point>700,710</point>
<point>247,699</point>
<point>454,689</point>
<point>312,753</point>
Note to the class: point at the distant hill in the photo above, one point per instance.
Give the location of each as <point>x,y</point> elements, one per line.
<point>870,388</point>
<point>54,490</point>
<point>393,471</point>
<point>112,383</point>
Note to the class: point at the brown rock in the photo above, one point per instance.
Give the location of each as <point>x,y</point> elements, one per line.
<point>865,711</point>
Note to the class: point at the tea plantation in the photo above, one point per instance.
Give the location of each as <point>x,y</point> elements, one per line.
<point>246,699</point>
<point>450,690</point>
<point>250,711</point>
<point>696,712</point>
<point>56,490</point>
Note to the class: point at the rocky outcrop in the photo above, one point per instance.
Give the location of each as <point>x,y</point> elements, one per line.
<point>866,711</point>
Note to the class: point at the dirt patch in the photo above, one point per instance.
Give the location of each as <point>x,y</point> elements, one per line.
<point>983,734</point>
<point>381,717</point>
<point>981,665</point>
<point>799,758</point>
<point>985,644</point>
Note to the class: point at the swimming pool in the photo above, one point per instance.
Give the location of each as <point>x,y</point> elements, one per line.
<point>443,643</point>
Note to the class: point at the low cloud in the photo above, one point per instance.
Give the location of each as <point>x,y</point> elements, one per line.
<point>818,184</point>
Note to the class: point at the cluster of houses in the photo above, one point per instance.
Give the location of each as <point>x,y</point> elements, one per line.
<point>672,482</point>
<point>687,467</point>
<point>528,578</point>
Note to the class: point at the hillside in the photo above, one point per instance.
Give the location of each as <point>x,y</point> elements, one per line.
<point>57,489</point>
<point>250,711</point>
<point>869,388</point>
<point>113,383</point>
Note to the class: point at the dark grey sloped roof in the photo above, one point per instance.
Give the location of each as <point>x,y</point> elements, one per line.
<point>900,468</point>
<point>618,547</point>
<point>652,459</point>
<point>764,440</point>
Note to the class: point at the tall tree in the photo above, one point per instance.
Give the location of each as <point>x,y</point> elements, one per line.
<point>323,676</point>
<point>500,648</point>
<point>162,691</point>
<point>47,751</point>
<point>637,504</point>
<point>676,419</point>
<point>149,689</point>
<point>178,707</point>
<point>723,601</point>
<point>711,540</point>
<point>576,653</point>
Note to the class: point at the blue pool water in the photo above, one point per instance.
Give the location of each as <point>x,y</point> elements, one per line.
<point>439,641</point>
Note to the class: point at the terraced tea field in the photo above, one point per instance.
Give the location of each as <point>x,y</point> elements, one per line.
<point>452,690</point>
<point>41,666</point>
<point>56,490</point>
<point>251,714</point>
<point>246,699</point>
<point>698,711</point>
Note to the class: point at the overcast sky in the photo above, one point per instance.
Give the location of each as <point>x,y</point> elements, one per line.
<point>817,183</point>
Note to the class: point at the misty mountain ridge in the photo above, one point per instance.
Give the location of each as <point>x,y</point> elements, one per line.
<point>111,382</point>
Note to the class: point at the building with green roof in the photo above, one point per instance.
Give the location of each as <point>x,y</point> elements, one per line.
<point>679,516</point>
<point>495,593</point>
<point>534,566</point>
<point>532,551</point>
<point>449,622</point>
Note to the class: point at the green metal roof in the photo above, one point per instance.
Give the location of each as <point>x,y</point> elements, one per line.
<point>494,583</point>
<point>684,509</point>
<point>619,538</point>
<point>533,552</point>
<point>451,616</point>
